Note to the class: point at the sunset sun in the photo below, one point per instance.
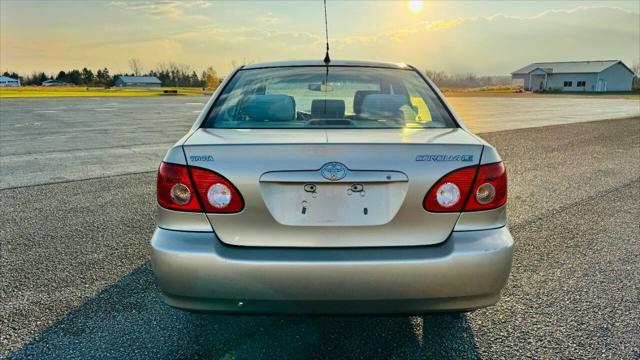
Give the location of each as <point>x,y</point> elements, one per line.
<point>415,6</point>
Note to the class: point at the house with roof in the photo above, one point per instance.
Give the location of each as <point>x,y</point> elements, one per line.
<point>7,81</point>
<point>575,76</point>
<point>138,81</point>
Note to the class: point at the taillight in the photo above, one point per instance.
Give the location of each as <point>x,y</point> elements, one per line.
<point>454,190</point>
<point>174,188</point>
<point>217,193</point>
<point>450,192</point>
<point>490,188</point>
<point>176,191</point>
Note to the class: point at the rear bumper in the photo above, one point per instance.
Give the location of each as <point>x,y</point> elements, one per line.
<point>198,272</point>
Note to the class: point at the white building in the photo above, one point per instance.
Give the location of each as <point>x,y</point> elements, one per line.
<point>7,81</point>
<point>138,81</point>
<point>595,76</point>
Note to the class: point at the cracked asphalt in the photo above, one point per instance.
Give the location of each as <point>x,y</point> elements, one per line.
<point>76,283</point>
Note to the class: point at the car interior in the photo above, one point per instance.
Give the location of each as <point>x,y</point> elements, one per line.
<point>368,105</point>
<point>306,98</point>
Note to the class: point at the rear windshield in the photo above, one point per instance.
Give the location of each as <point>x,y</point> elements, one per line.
<point>327,97</point>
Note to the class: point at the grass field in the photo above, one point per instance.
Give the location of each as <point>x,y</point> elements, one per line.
<point>80,91</point>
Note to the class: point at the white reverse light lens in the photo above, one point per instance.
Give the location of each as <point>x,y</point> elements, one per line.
<point>219,196</point>
<point>448,195</point>
<point>180,194</point>
<point>485,193</point>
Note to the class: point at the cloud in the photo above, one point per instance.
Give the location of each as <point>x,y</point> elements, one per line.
<point>171,9</point>
<point>500,43</point>
<point>495,44</point>
<point>578,14</point>
<point>267,19</point>
<point>487,45</point>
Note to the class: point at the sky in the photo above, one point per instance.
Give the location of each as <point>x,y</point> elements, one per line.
<point>482,37</point>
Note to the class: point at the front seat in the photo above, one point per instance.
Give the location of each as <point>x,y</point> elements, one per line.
<point>327,109</point>
<point>384,107</point>
<point>273,107</point>
<point>358,97</point>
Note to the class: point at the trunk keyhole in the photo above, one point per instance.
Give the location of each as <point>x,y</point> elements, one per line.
<point>356,187</point>
<point>366,211</point>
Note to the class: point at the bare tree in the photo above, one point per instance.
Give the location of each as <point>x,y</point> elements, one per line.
<point>438,77</point>
<point>467,80</point>
<point>635,85</point>
<point>236,64</point>
<point>136,66</point>
<point>175,74</point>
<point>162,67</point>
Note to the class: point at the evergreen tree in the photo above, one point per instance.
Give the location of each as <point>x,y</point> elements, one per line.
<point>87,76</point>
<point>62,76</point>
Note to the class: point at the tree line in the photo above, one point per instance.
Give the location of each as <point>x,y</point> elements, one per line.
<point>170,74</point>
<point>174,74</point>
<point>467,80</point>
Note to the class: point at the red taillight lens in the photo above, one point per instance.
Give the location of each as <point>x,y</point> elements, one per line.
<point>217,193</point>
<point>176,191</point>
<point>490,188</point>
<point>489,191</point>
<point>450,192</point>
<point>174,188</point>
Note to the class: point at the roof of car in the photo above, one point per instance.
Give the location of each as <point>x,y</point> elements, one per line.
<point>319,62</point>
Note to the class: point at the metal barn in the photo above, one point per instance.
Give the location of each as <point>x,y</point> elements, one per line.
<point>575,76</point>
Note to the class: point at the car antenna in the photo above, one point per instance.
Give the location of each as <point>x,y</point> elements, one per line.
<point>327,59</point>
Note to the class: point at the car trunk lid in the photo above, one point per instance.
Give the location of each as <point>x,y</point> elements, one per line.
<point>334,187</point>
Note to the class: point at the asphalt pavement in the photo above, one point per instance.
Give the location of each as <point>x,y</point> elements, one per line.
<point>43,141</point>
<point>49,140</point>
<point>76,282</point>
<point>484,114</point>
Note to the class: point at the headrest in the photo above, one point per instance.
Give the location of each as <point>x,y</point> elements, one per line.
<point>273,107</point>
<point>358,97</point>
<point>381,106</point>
<point>327,109</point>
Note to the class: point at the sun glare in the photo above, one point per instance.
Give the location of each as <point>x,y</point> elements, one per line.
<point>415,6</point>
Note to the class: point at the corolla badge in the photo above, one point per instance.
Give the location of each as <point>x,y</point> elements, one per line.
<point>333,171</point>
<point>444,157</point>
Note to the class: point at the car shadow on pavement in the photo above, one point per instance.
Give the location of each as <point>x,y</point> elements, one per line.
<point>128,319</point>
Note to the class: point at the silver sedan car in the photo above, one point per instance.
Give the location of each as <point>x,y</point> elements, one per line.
<point>343,188</point>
